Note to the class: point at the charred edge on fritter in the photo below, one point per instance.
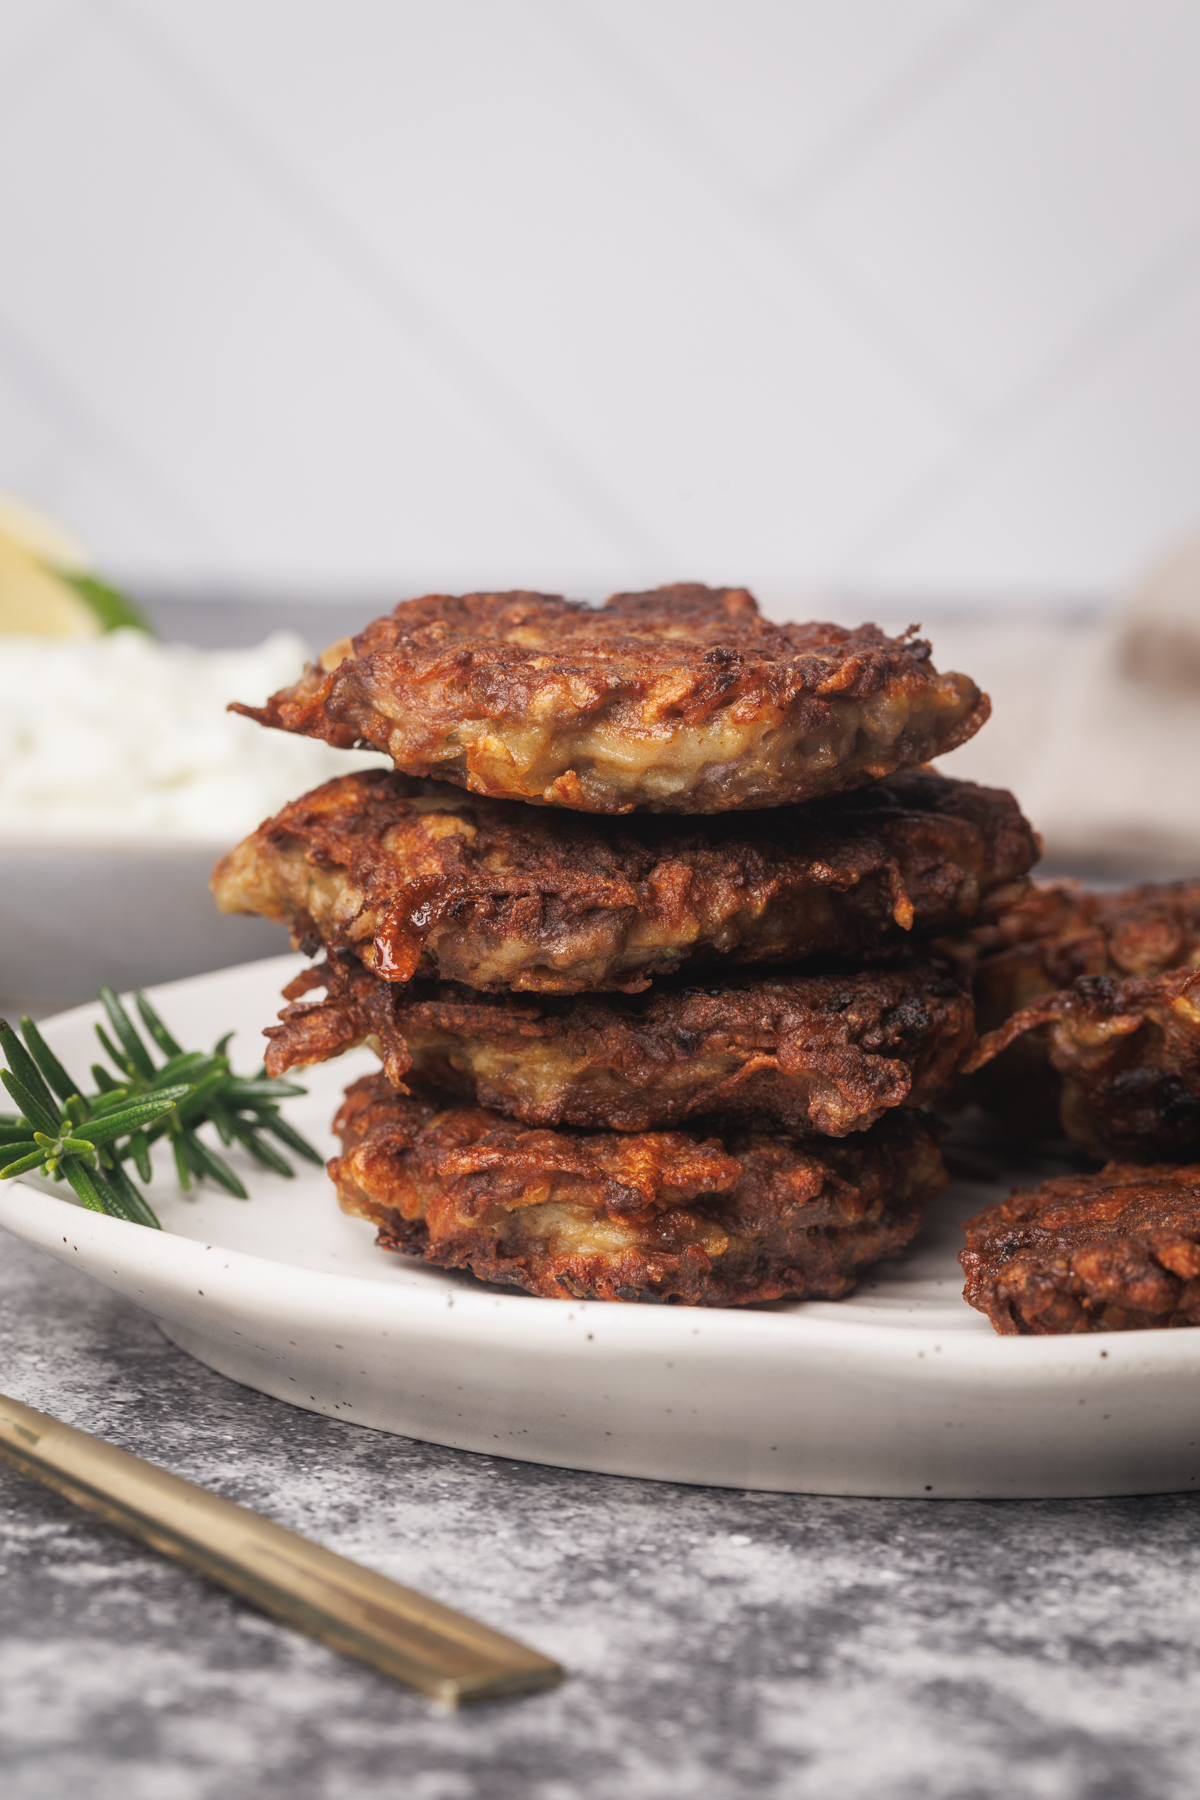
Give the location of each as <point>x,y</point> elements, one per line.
<point>680,700</point>
<point>499,896</point>
<point>1115,1251</point>
<point>822,1054</point>
<point>671,1217</point>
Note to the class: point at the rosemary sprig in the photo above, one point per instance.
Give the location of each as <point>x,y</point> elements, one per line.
<point>63,1134</point>
<point>243,1109</point>
<point>89,1139</point>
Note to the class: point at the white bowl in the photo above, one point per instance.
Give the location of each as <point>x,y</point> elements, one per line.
<point>74,915</point>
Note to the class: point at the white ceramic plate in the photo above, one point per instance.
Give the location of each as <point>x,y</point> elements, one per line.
<point>899,1390</point>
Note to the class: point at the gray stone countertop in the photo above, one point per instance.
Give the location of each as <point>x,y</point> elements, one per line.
<point>720,1644</point>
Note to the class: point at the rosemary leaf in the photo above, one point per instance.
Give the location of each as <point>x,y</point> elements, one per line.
<point>103,1104</point>
<point>117,1124</point>
<point>75,1146</point>
<point>242,1093</point>
<point>287,1134</point>
<point>156,1028</point>
<point>113,1202</point>
<point>75,1108</point>
<point>130,1201</point>
<point>122,1024</point>
<point>220,1119</point>
<point>181,1163</point>
<point>139,1149</point>
<point>42,1118</point>
<point>110,1050</point>
<point>28,1157</point>
<point>266,1154</point>
<point>46,1060</point>
<point>160,1128</point>
<point>137,1210</point>
<point>26,1073</point>
<point>193,1110</point>
<point>206,1162</point>
<point>103,1079</point>
<point>191,1065</point>
<point>80,1178</point>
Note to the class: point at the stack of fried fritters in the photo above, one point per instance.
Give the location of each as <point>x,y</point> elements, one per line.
<point>639,927</point>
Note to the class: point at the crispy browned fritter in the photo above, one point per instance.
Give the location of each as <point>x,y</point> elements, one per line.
<point>681,700</point>
<point>1039,946</point>
<point>666,1216</point>
<point>1058,931</point>
<point>821,1054</point>
<point>1128,1054</point>
<point>421,879</point>
<point>1115,1251</point>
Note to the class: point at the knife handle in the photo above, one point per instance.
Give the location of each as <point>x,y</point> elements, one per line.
<point>444,1653</point>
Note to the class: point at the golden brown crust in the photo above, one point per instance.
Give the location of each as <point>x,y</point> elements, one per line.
<point>1058,931</point>
<point>420,879</point>
<point>822,1054</point>
<point>1114,1251</point>
<point>1128,1054</point>
<point>681,700</point>
<point>662,1216</point>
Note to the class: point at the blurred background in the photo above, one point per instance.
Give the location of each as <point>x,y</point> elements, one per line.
<point>898,296</point>
<point>885,308</point>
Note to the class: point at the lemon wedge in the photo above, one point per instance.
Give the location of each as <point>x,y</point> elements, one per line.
<point>46,589</point>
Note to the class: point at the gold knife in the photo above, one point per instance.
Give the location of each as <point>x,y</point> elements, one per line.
<point>409,1636</point>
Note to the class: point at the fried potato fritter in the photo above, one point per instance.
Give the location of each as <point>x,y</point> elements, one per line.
<point>1040,945</point>
<point>419,879</point>
<point>1058,931</point>
<point>1115,1251</point>
<point>665,1216</point>
<point>682,700</point>
<point>822,1054</point>
<point>1128,1053</point>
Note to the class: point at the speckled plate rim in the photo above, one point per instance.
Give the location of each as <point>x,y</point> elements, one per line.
<point>899,1390</point>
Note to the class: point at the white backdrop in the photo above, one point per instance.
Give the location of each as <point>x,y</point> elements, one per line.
<point>898,295</point>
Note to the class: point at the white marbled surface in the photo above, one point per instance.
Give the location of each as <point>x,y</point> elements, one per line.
<point>720,1644</point>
